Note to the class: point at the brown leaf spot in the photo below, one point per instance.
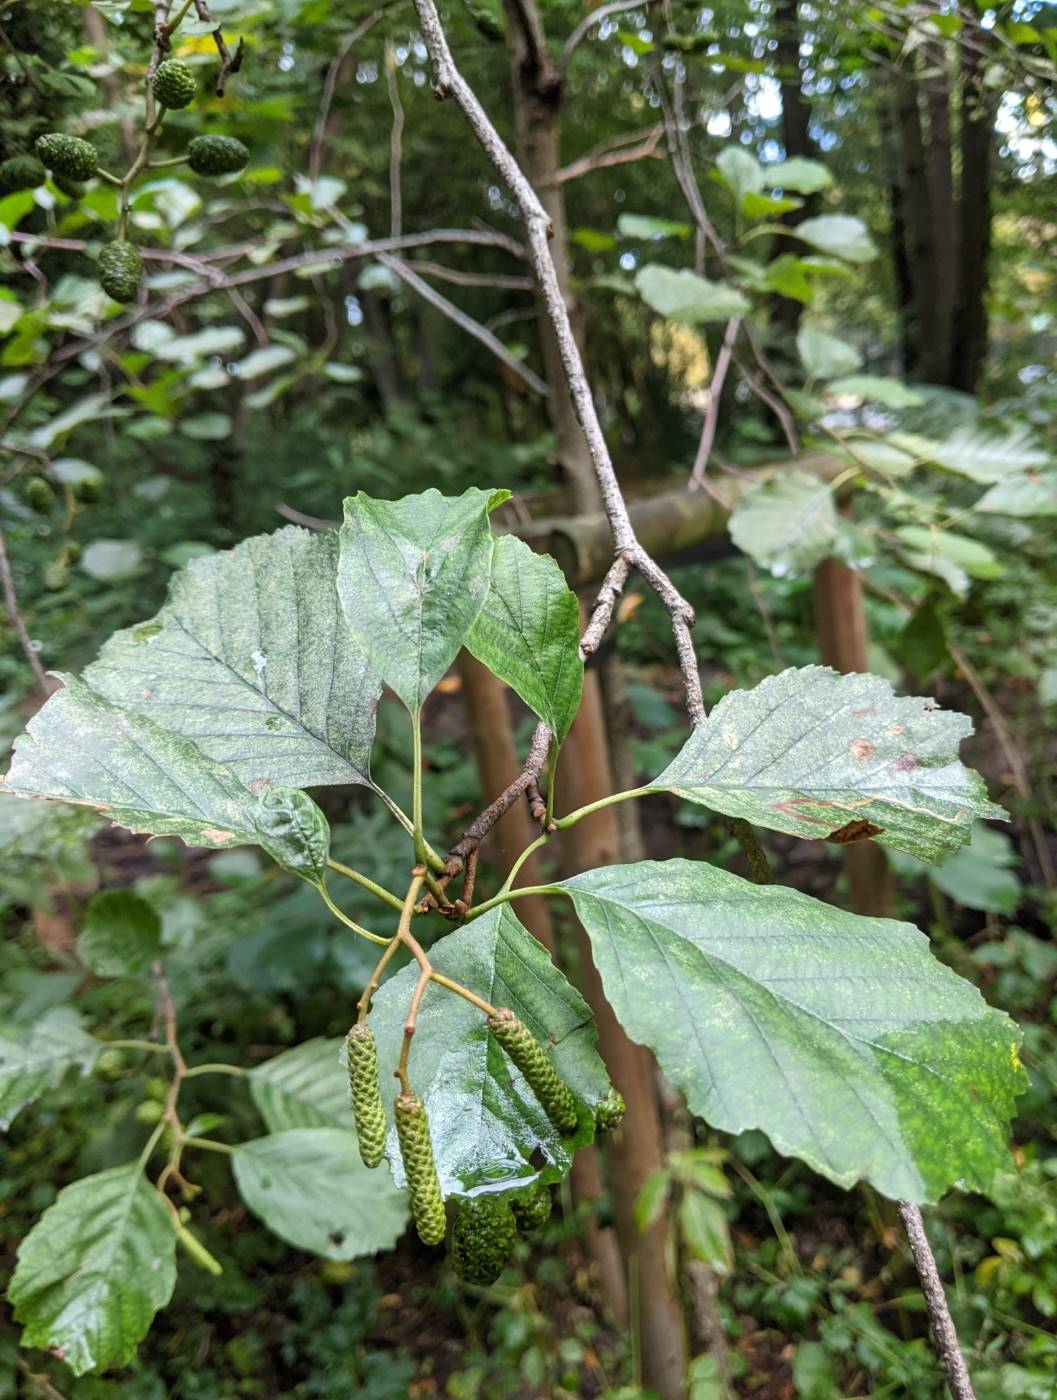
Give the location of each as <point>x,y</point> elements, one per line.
<point>858,830</point>
<point>861,714</point>
<point>895,729</point>
<point>860,748</point>
<point>216,837</point>
<point>905,762</point>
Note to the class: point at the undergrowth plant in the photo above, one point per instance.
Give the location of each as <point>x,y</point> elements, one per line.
<point>839,1036</point>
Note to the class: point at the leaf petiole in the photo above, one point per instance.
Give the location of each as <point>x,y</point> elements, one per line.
<point>391,899</point>
<point>504,897</point>
<point>571,818</point>
<point>349,923</point>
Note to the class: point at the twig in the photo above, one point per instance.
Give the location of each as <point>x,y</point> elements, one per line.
<point>616,7</point>
<point>449,81</point>
<point>508,282</point>
<point>604,160</point>
<point>396,142</point>
<point>11,604</point>
<point>479,829</point>
<point>465,322</point>
<point>943,1332</point>
<point>229,62</point>
<point>319,131</point>
<point>715,392</point>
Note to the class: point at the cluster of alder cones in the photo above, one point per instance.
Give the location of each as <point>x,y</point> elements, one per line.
<point>486,1225</point>
<point>72,160</point>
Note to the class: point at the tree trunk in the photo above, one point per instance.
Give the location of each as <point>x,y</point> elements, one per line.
<point>977,141</point>
<point>796,138</point>
<point>840,623</point>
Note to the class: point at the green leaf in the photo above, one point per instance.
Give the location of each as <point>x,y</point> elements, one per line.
<point>787,275</point>
<point>800,174</point>
<point>813,753</point>
<point>649,1203</point>
<point>813,1373</point>
<point>107,560</point>
<point>81,748</point>
<point>95,1269</point>
<point>921,645</point>
<point>38,1061</point>
<point>309,1186</point>
<point>303,1088</point>
<point>787,524</point>
<point>121,934</point>
<point>740,171</point>
<point>642,227</point>
<point>1028,495</point>
<point>705,1232</point>
<point>488,1127</point>
<point>964,553</point>
<point>877,389</point>
<point>412,577</point>
<point>684,296</point>
<point>980,876</point>
<point>762,206</point>
<point>825,355</point>
<point>840,1037</point>
<point>986,456</point>
<point>840,235</point>
<point>528,633</point>
<point>251,658</point>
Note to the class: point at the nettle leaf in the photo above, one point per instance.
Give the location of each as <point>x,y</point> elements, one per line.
<point>310,1187</point>
<point>840,1037</point>
<point>1028,495</point>
<point>684,296</point>
<point>840,758</point>
<point>825,355</point>
<point>251,658</point>
<point>54,1044</point>
<point>95,1269</point>
<point>303,1088</point>
<point>985,456</point>
<point>528,633</point>
<point>489,1130</point>
<point>787,524</point>
<point>121,934</point>
<point>412,577</point>
<point>81,748</point>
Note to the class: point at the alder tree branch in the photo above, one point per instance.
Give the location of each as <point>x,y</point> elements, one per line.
<point>396,143</point>
<point>715,393</point>
<point>330,83</point>
<point>229,62</point>
<point>943,1331</point>
<point>449,82</point>
<point>616,7</point>
<point>610,153</point>
<point>466,322</point>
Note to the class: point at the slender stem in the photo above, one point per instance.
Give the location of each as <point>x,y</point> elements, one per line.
<point>944,1335</point>
<point>165,164</point>
<point>416,790</point>
<point>106,175</point>
<point>573,817</point>
<point>217,1068</point>
<point>464,992</point>
<point>349,923</point>
<point>507,895</point>
<point>529,850</point>
<point>153,1045</point>
<point>403,932</point>
<point>392,899</point>
<point>209,1145</point>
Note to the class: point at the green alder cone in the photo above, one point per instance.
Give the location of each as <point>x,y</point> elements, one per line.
<point>67,155</point>
<point>21,173</point>
<point>39,495</point>
<point>522,1047</point>
<point>216,155</point>
<point>366,1094</point>
<point>120,270</point>
<point>482,1239</point>
<point>174,84</point>
<point>531,1208</point>
<point>609,1114</point>
<point>416,1148</point>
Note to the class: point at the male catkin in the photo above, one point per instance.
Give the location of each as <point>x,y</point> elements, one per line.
<point>526,1052</point>
<point>366,1093</point>
<point>423,1185</point>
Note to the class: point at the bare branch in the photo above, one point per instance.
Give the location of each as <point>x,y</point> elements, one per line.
<point>715,392</point>
<point>396,145</point>
<point>604,159</point>
<point>616,7</point>
<point>11,604</point>
<point>504,281</point>
<point>229,62</point>
<point>465,322</point>
<point>944,1335</point>
<point>526,779</point>
<point>448,81</point>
